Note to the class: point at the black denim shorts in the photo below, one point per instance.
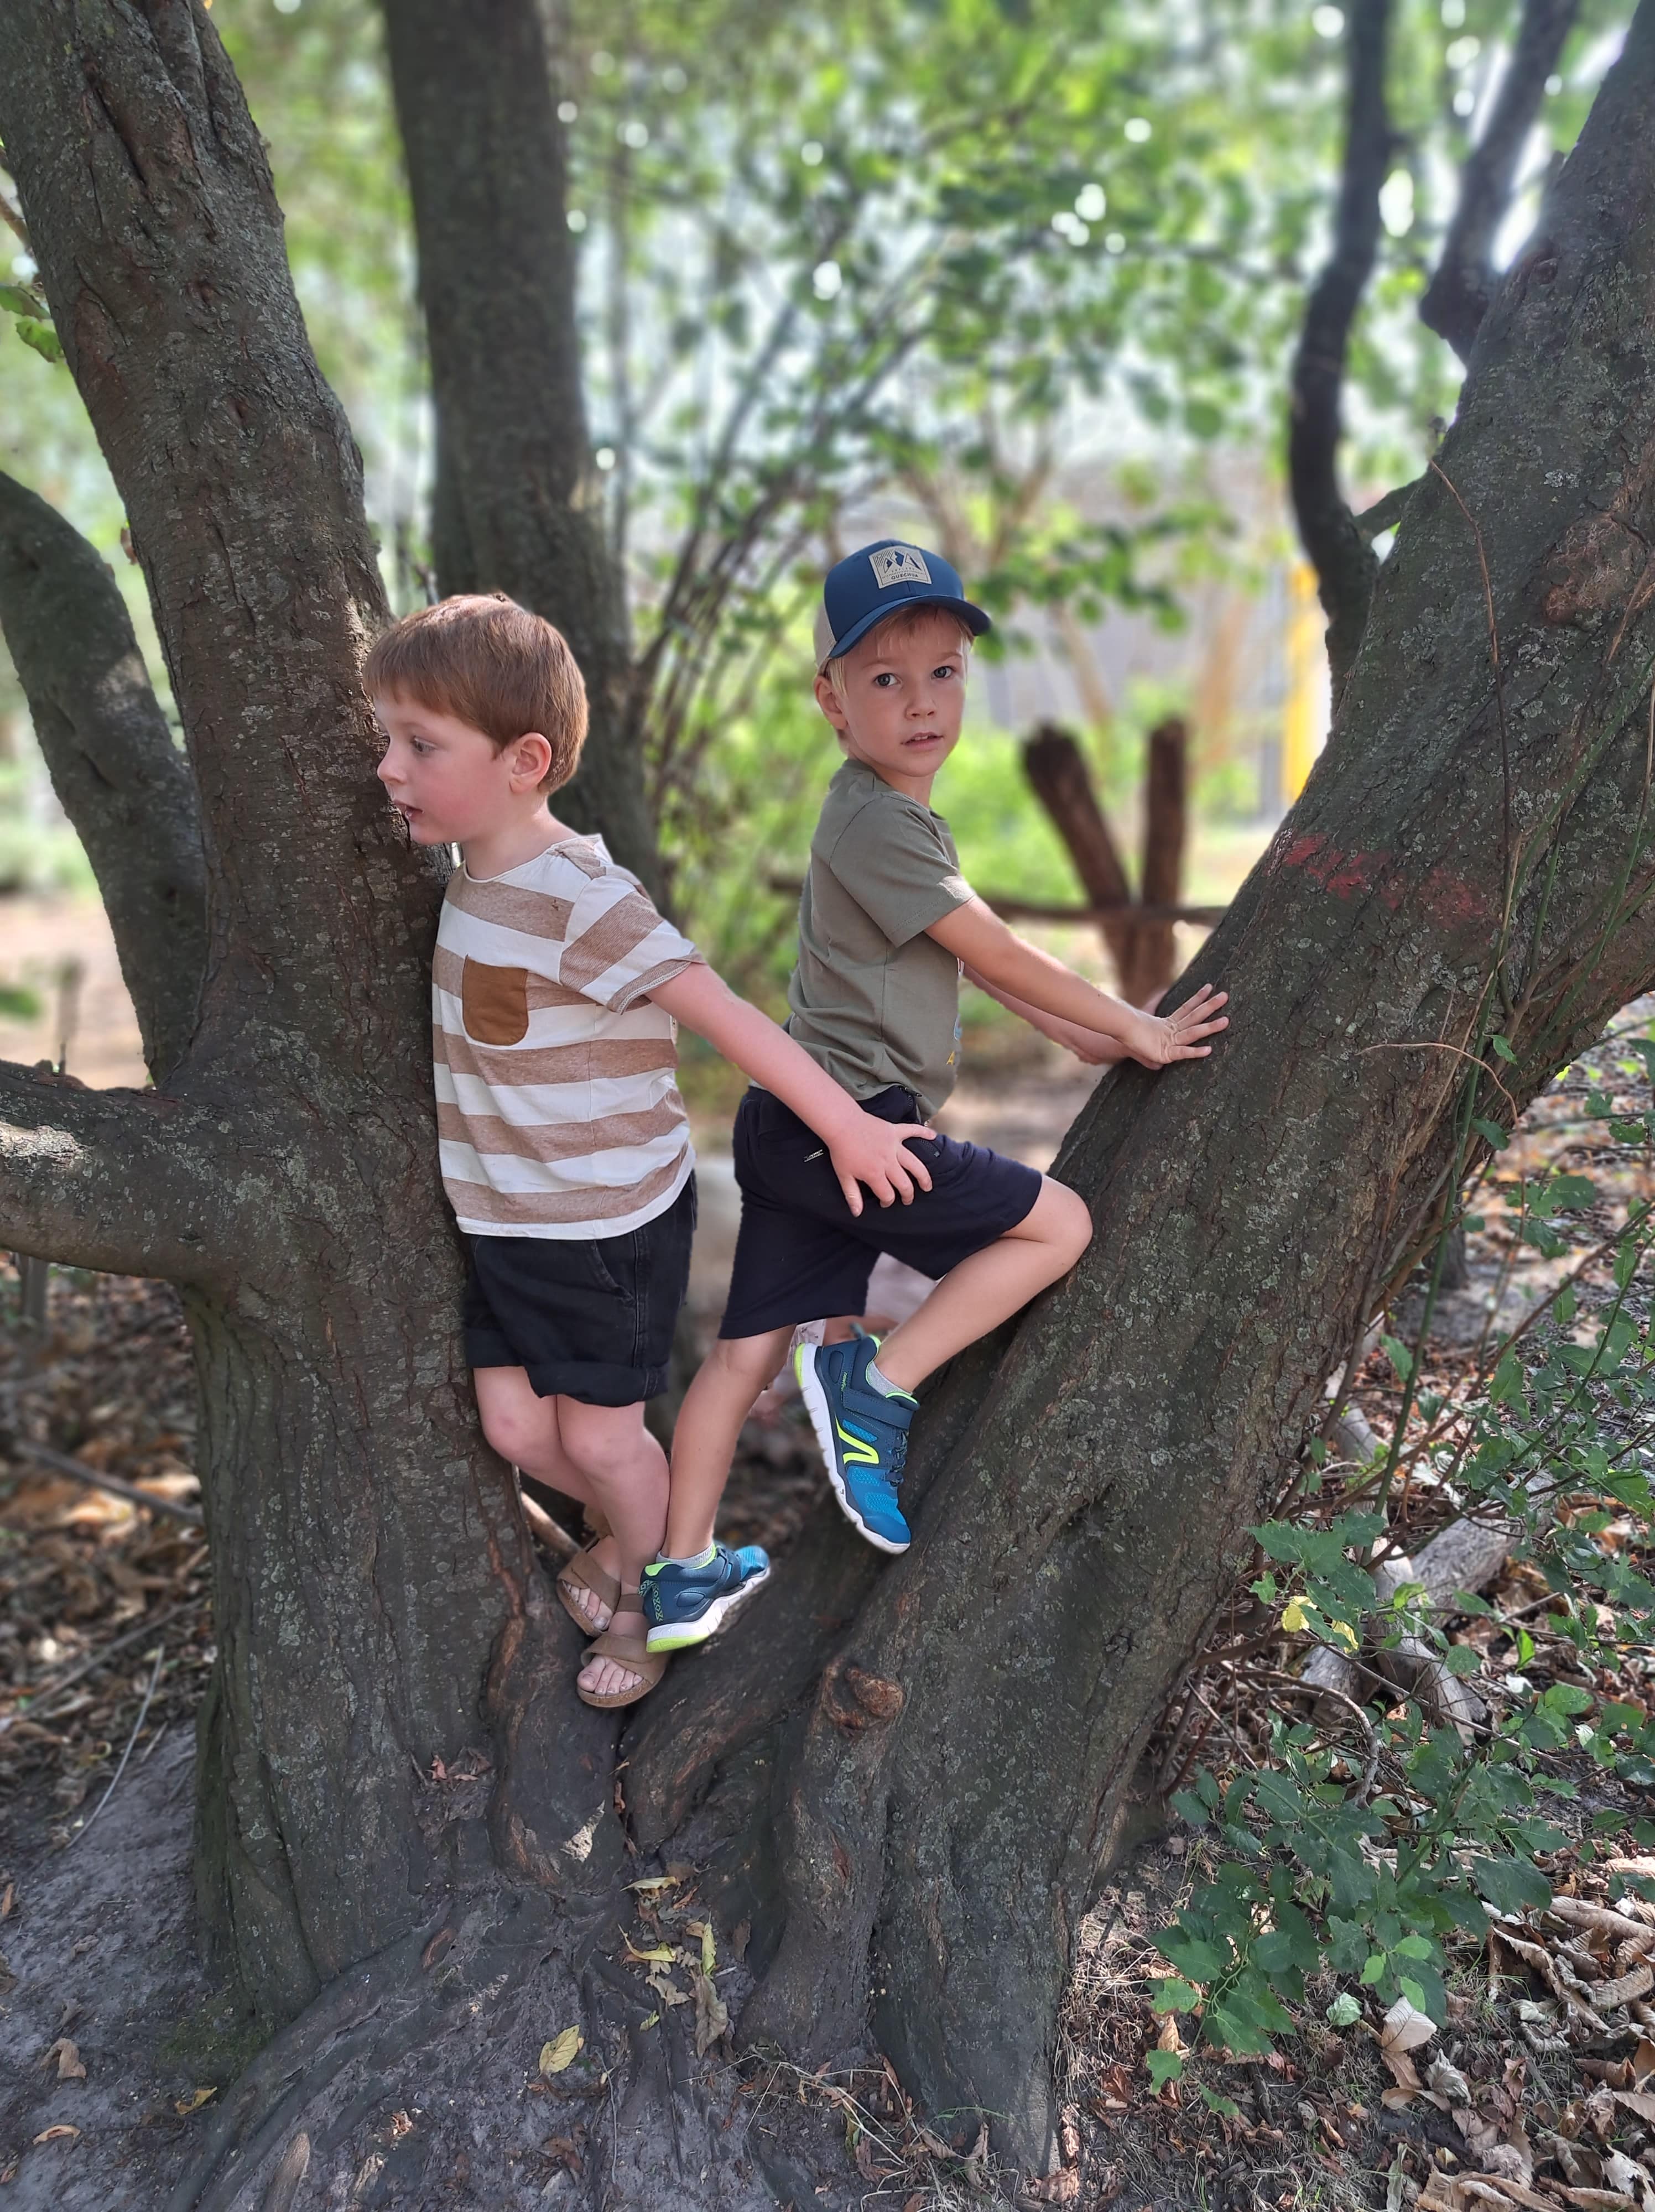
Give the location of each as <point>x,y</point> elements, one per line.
<point>585,1317</point>
<point>801,1254</point>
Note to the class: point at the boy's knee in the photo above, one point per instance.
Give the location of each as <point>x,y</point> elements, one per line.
<point>752,1361</point>
<point>515,1432</point>
<point>1071,1222</point>
<point>602,1440</point>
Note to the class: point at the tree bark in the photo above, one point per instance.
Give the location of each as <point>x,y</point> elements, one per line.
<point>117,773</point>
<point>947,1799</point>
<point>1458,297</point>
<point>519,505</point>
<point>1341,555</point>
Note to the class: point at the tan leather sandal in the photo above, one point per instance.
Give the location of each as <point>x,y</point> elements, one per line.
<point>581,1571</point>
<point>627,1651</point>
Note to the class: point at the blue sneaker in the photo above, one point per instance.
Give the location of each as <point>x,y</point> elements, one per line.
<point>685,1606</point>
<point>863,1436</point>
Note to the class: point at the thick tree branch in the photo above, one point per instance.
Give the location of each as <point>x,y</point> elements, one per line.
<point>518,506</point>
<point>128,1182</point>
<point>118,774</point>
<point>160,244</point>
<point>1458,297</point>
<point>1343,561</point>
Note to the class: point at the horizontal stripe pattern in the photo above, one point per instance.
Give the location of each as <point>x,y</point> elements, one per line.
<point>574,1127</point>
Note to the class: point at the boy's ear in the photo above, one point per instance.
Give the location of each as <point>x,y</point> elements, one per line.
<point>530,760</point>
<point>829,703</point>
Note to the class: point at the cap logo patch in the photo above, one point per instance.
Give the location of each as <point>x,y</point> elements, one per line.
<point>898,564</point>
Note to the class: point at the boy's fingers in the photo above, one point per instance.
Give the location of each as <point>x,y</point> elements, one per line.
<point>853,1191</point>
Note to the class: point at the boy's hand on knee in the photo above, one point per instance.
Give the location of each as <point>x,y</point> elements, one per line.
<point>874,1152</point>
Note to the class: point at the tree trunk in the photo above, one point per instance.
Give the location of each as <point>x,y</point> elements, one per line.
<point>112,760</point>
<point>369,1562</point>
<point>946,1803</point>
<point>519,502</point>
<point>909,1776</point>
<point>1161,883</point>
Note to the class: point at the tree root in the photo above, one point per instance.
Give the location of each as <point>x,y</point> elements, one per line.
<point>378,2013</point>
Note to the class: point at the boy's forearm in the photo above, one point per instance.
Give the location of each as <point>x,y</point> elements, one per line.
<point>1092,1045</point>
<point>1009,964</point>
<point>763,1052</point>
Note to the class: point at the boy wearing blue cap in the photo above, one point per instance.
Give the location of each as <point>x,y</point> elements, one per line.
<point>887,926</point>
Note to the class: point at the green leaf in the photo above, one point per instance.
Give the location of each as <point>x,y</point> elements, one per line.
<point>1492,1134</point>
<point>1224,2107</point>
<point>1399,1355</point>
<point>18,1004</point>
<point>1373,1967</point>
<point>1568,1697</point>
<point>1189,1809</point>
<point>1345,2011</point>
<point>1164,2066</point>
<point>41,335</point>
<point>1503,1047</point>
<point>16,301</point>
<point>1462,1659</point>
<point>1511,1884</point>
<point>1199,1961</point>
<point>1175,1996</point>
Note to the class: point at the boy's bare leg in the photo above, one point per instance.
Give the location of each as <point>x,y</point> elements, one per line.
<point>988,1288</point>
<point>523,1428</point>
<point>626,1469</point>
<point>709,1420</point>
<point>602,1455</point>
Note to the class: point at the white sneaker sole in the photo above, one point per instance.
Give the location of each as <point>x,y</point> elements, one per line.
<point>686,1635</point>
<point>821,1419</point>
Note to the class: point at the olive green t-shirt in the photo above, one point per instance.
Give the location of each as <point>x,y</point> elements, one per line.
<point>875,1001</point>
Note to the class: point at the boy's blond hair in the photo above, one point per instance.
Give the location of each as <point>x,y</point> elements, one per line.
<point>491,664</point>
<point>898,624</point>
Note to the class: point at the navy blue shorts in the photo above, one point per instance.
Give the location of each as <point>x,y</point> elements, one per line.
<point>586,1317</point>
<point>802,1254</point>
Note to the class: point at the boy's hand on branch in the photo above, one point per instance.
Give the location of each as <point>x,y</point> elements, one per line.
<point>1157,1040</point>
<point>875,1152</point>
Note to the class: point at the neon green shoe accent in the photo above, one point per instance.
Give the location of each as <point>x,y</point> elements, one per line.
<point>857,1450</point>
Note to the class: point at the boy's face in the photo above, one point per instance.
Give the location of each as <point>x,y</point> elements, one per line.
<point>904,693</point>
<point>450,783</point>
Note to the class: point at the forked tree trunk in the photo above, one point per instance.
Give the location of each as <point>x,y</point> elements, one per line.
<point>519,504</point>
<point>908,1776</point>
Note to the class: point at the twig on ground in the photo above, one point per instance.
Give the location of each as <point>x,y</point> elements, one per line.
<point>78,1471</point>
<point>137,1725</point>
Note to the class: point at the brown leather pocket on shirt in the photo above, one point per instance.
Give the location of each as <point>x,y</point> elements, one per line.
<point>495,1003</point>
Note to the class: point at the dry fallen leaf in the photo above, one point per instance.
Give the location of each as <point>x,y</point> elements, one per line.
<point>1638,1983</point>
<point>562,2052</point>
<point>1448,2082</point>
<point>1056,2188</point>
<point>68,2056</point>
<point>193,2102</point>
<point>57,2134</point>
<point>712,2018</point>
<point>1406,2027</point>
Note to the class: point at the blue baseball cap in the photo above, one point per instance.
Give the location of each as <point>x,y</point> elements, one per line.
<point>876,580</point>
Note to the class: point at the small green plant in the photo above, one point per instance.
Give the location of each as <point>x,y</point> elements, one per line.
<point>1364,1868</point>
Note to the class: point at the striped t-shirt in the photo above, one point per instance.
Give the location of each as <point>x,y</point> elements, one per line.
<point>557,1110</point>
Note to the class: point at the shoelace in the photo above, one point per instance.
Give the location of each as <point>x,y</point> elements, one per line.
<point>898,1457</point>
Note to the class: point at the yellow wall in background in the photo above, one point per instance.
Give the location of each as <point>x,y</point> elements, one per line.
<point>1302,707</point>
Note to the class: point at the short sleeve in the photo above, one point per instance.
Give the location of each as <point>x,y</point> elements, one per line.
<point>893,861</point>
<point>618,948</point>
